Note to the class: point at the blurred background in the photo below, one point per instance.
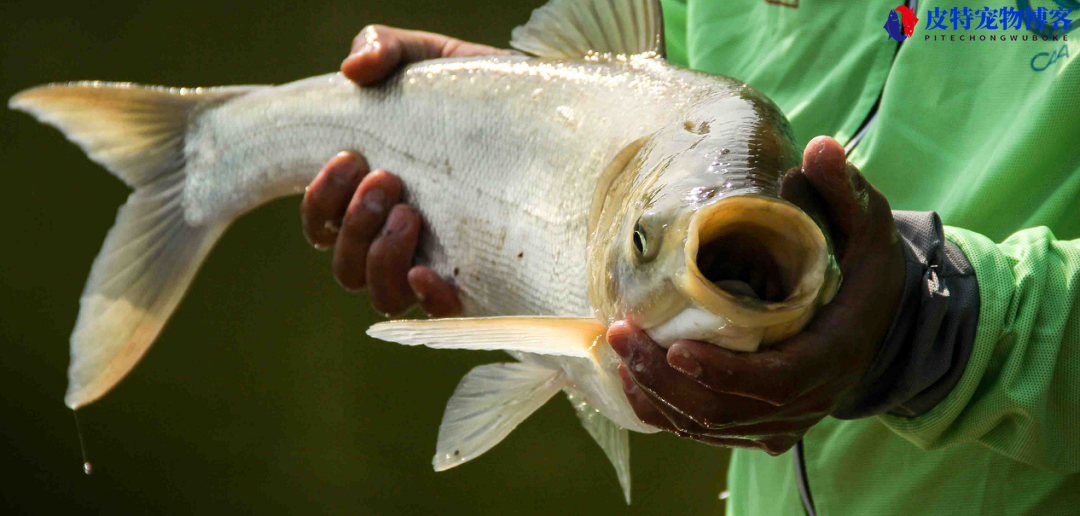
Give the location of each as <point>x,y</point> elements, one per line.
<point>262,395</point>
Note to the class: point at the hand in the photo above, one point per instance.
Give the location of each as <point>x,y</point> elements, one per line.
<point>769,399</point>
<point>358,211</point>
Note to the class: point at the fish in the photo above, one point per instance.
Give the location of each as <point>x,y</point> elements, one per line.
<point>908,19</point>
<point>583,181</point>
<point>895,27</point>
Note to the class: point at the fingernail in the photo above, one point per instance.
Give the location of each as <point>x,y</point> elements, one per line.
<point>684,362</point>
<point>628,384</point>
<point>396,225</point>
<point>333,226</point>
<point>344,170</point>
<point>375,200</point>
<point>371,42</point>
<point>617,341</point>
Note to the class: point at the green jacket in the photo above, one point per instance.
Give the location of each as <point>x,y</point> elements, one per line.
<point>985,132</point>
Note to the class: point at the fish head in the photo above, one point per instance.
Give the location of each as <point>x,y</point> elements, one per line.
<point>696,234</point>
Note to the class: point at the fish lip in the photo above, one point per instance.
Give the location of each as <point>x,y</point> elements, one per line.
<point>701,291</point>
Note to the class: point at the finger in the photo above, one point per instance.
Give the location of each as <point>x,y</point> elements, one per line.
<point>390,259</point>
<point>773,445</point>
<point>854,206</point>
<point>677,423</point>
<point>378,50</point>
<point>643,407</point>
<point>728,442</point>
<point>767,429</point>
<point>435,294</point>
<point>364,217</point>
<point>774,437</point>
<point>327,197</point>
<point>777,376</point>
<point>647,365</point>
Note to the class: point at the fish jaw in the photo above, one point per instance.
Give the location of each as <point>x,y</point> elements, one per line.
<point>696,324</point>
<point>760,266</point>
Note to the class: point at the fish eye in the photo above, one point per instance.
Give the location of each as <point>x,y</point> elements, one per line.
<point>641,243</point>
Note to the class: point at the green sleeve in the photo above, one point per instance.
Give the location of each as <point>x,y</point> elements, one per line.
<point>1020,392</point>
<point>675,31</point>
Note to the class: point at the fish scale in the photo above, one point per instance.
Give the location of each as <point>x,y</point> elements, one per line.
<point>562,191</point>
<point>534,196</point>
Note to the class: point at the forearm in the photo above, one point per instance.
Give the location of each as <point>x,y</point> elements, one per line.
<point>997,362</point>
<point>933,332</point>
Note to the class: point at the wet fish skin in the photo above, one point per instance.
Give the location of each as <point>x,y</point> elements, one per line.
<point>500,155</point>
<point>591,185</point>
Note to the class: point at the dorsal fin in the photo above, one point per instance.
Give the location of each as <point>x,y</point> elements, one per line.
<point>574,28</point>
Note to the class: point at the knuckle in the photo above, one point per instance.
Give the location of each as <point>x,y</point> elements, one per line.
<point>376,258</point>
<point>450,47</point>
<point>355,227</point>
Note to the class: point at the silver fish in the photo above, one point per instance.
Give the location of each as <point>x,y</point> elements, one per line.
<point>588,182</point>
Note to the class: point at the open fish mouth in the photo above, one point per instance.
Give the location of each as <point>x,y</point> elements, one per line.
<point>755,269</point>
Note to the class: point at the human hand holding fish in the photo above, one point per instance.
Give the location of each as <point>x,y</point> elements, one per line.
<point>732,398</point>
<point>769,399</point>
<point>356,210</point>
<point>587,183</point>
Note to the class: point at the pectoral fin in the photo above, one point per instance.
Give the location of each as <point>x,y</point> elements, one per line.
<point>563,336</point>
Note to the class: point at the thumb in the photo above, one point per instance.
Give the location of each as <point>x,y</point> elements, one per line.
<point>850,200</point>
<point>379,50</point>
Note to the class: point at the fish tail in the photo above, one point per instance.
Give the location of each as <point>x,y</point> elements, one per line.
<point>152,252</point>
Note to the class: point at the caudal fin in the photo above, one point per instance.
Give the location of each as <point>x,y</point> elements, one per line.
<point>151,253</point>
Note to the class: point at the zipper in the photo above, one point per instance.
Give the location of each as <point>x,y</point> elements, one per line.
<point>872,115</point>
<point>801,478</point>
<point>804,484</point>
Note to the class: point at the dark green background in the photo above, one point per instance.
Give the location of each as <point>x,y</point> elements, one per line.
<point>262,395</point>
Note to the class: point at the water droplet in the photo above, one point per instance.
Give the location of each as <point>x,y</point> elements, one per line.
<point>82,444</point>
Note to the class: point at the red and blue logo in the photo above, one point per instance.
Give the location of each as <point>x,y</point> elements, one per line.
<point>901,23</point>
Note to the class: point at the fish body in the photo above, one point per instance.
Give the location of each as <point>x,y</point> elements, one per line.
<point>895,27</point>
<point>500,155</point>
<point>590,182</point>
